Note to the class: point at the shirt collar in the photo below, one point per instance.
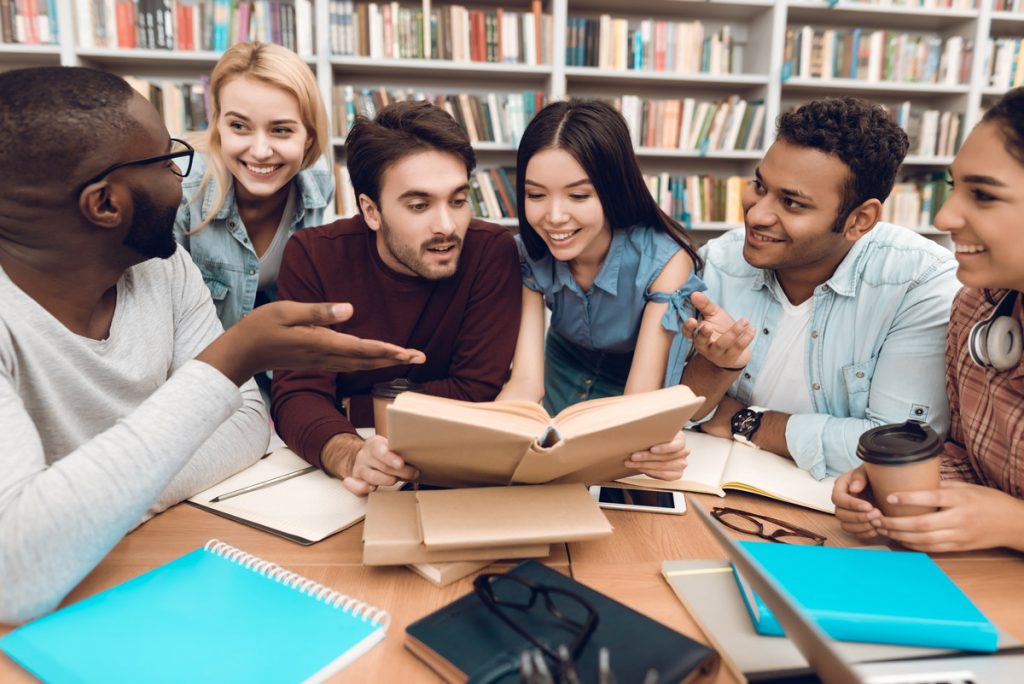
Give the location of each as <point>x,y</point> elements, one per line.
<point>607,278</point>
<point>843,281</point>
<point>311,193</point>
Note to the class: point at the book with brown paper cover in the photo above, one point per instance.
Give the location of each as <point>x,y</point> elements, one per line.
<point>471,518</point>
<point>457,443</point>
<point>443,574</point>
<point>392,536</point>
<point>716,464</point>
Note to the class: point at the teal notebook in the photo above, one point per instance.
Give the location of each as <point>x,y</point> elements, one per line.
<point>877,596</point>
<point>214,615</point>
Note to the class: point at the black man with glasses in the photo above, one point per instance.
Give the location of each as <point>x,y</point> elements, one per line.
<point>120,394</point>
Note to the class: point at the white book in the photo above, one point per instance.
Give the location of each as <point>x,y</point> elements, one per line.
<point>828,44</point>
<point>304,509</point>
<point>716,464</point>
<point>493,112</point>
<point>806,48</point>
<point>954,50</point>
<point>529,29</point>
<point>686,121</point>
<point>303,28</point>
<point>604,44</point>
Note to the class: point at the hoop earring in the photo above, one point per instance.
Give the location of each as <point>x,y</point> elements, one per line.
<point>998,341</point>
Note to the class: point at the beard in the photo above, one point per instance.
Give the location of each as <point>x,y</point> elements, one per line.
<point>152,231</point>
<point>414,257</point>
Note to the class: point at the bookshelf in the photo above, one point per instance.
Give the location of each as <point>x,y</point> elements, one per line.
<point>754,70</point>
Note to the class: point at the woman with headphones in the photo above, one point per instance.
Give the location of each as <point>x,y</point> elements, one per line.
<point>981,499</point>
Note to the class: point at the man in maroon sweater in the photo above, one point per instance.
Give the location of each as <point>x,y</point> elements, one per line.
<point>420,273</point>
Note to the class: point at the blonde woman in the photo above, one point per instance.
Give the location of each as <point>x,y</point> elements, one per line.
<point>261,172</point>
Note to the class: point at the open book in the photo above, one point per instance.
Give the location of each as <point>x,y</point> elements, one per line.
<point>303,509</point>
<point>459,443</point>
<point>716,464</point>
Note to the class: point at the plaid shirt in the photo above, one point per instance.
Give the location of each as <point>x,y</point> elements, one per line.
<point>986,436</point>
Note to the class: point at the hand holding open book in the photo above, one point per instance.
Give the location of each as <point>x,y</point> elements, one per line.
<point>459,443</point>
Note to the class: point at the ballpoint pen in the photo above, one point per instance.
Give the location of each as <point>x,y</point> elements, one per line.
<point>261,485</point>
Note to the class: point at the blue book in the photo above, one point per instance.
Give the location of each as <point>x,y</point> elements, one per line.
<point>216,614</point>
<point>876,596</point>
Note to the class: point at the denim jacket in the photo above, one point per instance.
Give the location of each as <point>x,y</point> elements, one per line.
<point>223,251</point>
<point>876,352</point>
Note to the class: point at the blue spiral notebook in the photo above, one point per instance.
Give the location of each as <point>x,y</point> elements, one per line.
<point>217,614</point>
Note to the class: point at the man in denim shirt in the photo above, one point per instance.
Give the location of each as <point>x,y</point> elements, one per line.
<point>844,316</point>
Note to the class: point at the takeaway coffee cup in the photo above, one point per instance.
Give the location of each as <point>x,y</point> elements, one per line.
<point>383,394</point>
<point>901,458</point>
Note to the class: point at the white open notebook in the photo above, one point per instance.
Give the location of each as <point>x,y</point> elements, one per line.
<point>716,464</point>
<point>304,509</point>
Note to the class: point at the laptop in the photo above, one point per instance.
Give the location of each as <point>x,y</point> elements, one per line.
<point>829,664</point>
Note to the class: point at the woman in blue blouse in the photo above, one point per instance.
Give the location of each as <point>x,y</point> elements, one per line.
<point>263,174</point>
<point>612,267</point>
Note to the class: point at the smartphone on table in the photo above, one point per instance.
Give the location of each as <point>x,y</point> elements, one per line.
<point>637,499</point>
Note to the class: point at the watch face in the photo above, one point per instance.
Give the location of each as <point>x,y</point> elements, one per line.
<point>745,422</point>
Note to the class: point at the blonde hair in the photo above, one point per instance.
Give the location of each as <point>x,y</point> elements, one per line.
<point>276,66</point>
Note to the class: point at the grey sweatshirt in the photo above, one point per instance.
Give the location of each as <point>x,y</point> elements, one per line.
<point>96,436</point>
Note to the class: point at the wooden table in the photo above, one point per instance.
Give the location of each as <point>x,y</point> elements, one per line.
<point>625,566</point>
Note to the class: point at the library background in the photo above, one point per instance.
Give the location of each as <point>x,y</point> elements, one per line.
<point>700,82</point>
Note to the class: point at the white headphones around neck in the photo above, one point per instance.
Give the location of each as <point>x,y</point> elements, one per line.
<point>998,341</point>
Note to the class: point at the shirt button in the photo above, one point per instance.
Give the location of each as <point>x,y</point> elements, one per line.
<point>859,374</point>
<point>231,224</point>
<point>588,381</point>
<point>814,334</point>
<point>746,375</point>
<point>816,386</point>
<point>252,271</point>
<point>765,331</point>
<point>582,395</point>
<point>919,412</point>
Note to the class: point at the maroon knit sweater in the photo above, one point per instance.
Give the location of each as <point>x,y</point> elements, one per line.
<point>466,325</point>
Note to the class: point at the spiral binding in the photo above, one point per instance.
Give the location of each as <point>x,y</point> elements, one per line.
<point>315,590</point>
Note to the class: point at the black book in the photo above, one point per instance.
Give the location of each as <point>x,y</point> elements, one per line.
<point>466,640</point>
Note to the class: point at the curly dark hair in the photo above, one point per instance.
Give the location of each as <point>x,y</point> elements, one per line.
<point>861,135</point>
<point>398,130</point>
<point>1008,114</point>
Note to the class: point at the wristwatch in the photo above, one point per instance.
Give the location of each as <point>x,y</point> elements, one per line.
<point>745,423</point>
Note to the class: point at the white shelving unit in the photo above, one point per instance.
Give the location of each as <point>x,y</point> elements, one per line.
<point>759,24</point>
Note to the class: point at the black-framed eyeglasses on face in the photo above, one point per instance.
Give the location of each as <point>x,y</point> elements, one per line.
<point>180,150</point>
<point>754,523</point>
<point>508,596</point>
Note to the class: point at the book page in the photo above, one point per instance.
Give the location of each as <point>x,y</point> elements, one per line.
<point>705,466</point>
<point>309,507</point>
<point>768,474</point>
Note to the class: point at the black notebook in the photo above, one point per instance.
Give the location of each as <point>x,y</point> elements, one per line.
<point>465,640</point>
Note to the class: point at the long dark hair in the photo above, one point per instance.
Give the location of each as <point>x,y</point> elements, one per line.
<point>597,137</point>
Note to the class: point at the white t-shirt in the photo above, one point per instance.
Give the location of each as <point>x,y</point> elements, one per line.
<point>782,385</point>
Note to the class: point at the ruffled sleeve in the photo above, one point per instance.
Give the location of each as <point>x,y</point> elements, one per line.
<point>679,309</point>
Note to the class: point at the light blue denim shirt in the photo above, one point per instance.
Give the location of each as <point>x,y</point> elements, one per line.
<point>876,352</point>
<point>607,317</point>
<point>223,251</point>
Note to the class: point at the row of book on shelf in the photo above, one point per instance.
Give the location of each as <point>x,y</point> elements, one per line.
<point>491,117</point>
<point>699,198</point>
<point>876,55</point>
<point>194,24</point>
<point>932,133</point>
<point>915,201</point>
<point>29,22</point>
<point>1004,63</point>
<point>731,123</point>
<point>390,30</point>
<point>646,44</point>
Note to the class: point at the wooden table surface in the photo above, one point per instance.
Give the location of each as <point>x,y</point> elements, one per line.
<point>625,566</point>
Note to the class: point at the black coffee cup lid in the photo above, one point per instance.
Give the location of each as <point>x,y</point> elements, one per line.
<point>898,444</point>
<point>392,388</point>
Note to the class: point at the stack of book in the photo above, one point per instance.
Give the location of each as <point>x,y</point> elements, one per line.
<point>699,199</point>
<point>932,133</point>
<point>915,201</point>
<point>492,117</point>
<point>194,24</point>
<point>728,124</point>
<point>389,30</point>
<point>182,105</point>
<point>876,55</point>
<point>1004,63</point>
<point>1007,5</point>
<point>651,45</point>
<point>29,23</point>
